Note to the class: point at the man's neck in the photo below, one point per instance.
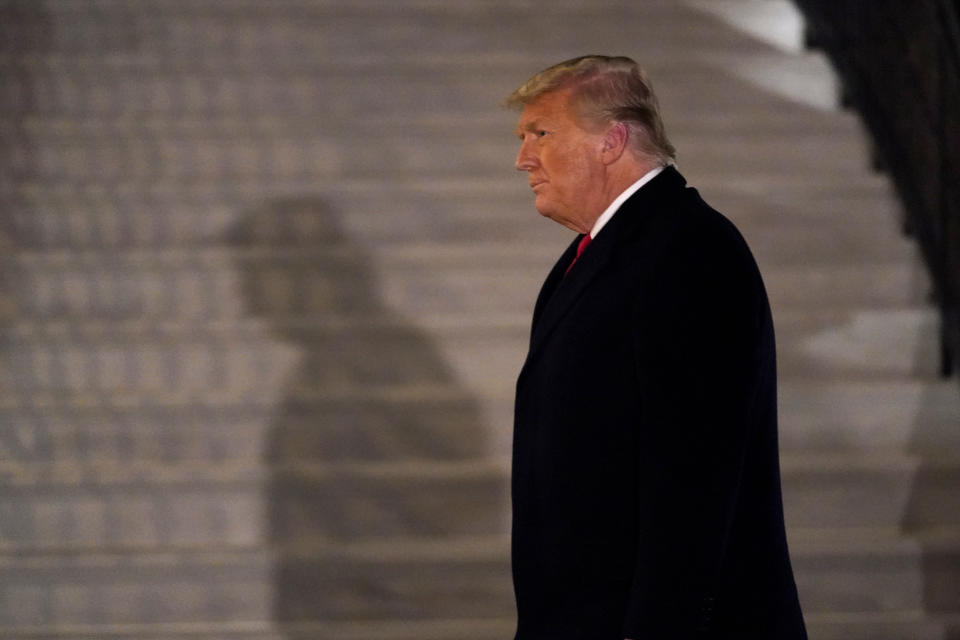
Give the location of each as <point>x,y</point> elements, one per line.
<point>616,194</point>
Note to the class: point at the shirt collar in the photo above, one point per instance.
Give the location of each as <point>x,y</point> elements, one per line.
<point>629,191</point>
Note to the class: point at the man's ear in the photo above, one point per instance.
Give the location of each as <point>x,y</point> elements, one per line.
<point>615,142</point>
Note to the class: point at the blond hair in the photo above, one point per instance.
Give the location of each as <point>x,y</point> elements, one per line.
<point>605,89</point>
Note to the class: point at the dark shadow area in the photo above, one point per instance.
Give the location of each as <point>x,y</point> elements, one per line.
<point>373,452</point>
<point>25,32</point>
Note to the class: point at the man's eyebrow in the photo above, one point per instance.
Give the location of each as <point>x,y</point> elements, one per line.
<point>533,125</point>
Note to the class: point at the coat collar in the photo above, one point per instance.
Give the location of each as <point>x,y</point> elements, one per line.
<point>559,292</point>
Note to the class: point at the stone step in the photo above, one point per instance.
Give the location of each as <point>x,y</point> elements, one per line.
<point>331,156</point>
<point>215,284</point>
<point>322,154</point>
<point>34,131</point>
<point>402,346</point>
<point>829,344</point>
<point>51,128</point>
<point>383,91</point>
<point>376,7</point>
<point>487,628</point>
<point>237,49</point>
<point>139,504</point>
<point>337,31</point>
<point>850,415</point>
<point>815,417</point>
<point>303,363</point>
<point>428,421</point>
<point>497,210</point>
<point>244,195</point>
<point>691,126</point>
<point>454,210</point>
<point>510,217</point>
<point>881,285</point>
<point>862,344</point>
<point>869,198</point>
<point>417,581</point>
<point>882,489</point>
<point>900,625</point>
<point>363,90</point>
<point>413,582</point>
<point>315,359</point>
<point>876,570</point>
<point>144,505</point>
<point>380,427</point>
<point>897,625</point>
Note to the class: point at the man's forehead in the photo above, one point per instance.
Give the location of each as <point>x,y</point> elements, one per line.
<point>547,109</point>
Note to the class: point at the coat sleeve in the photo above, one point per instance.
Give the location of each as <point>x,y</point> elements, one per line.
<point>701,356</point>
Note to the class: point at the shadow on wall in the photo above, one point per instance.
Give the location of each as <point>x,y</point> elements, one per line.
<point>360,447</point>
<point>25,31</point>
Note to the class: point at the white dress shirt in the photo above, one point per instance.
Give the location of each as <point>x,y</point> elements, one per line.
<point>629,191</point>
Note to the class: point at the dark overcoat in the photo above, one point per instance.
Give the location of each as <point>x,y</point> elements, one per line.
<point>646,483</point>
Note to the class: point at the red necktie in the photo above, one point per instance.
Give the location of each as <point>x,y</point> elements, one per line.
<point>584,241</point>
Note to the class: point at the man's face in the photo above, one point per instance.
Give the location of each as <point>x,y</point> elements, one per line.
<point>562,160</point>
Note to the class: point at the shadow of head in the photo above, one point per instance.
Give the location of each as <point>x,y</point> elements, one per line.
<point>369,385</point>
<point>296,263</point>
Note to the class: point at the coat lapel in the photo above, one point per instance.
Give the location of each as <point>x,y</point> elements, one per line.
<point>566,289</point>
<point>554,279</point>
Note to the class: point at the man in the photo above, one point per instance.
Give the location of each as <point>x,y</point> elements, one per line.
<point>646,489</point>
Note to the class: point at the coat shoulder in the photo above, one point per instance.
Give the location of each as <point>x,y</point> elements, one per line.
<point>680,229</point>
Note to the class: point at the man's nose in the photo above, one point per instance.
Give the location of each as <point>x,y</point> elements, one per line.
<point>526,160</point>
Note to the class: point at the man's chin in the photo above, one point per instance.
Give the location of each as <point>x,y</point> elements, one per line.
<point>543,208</point>
<point>551,214</point>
